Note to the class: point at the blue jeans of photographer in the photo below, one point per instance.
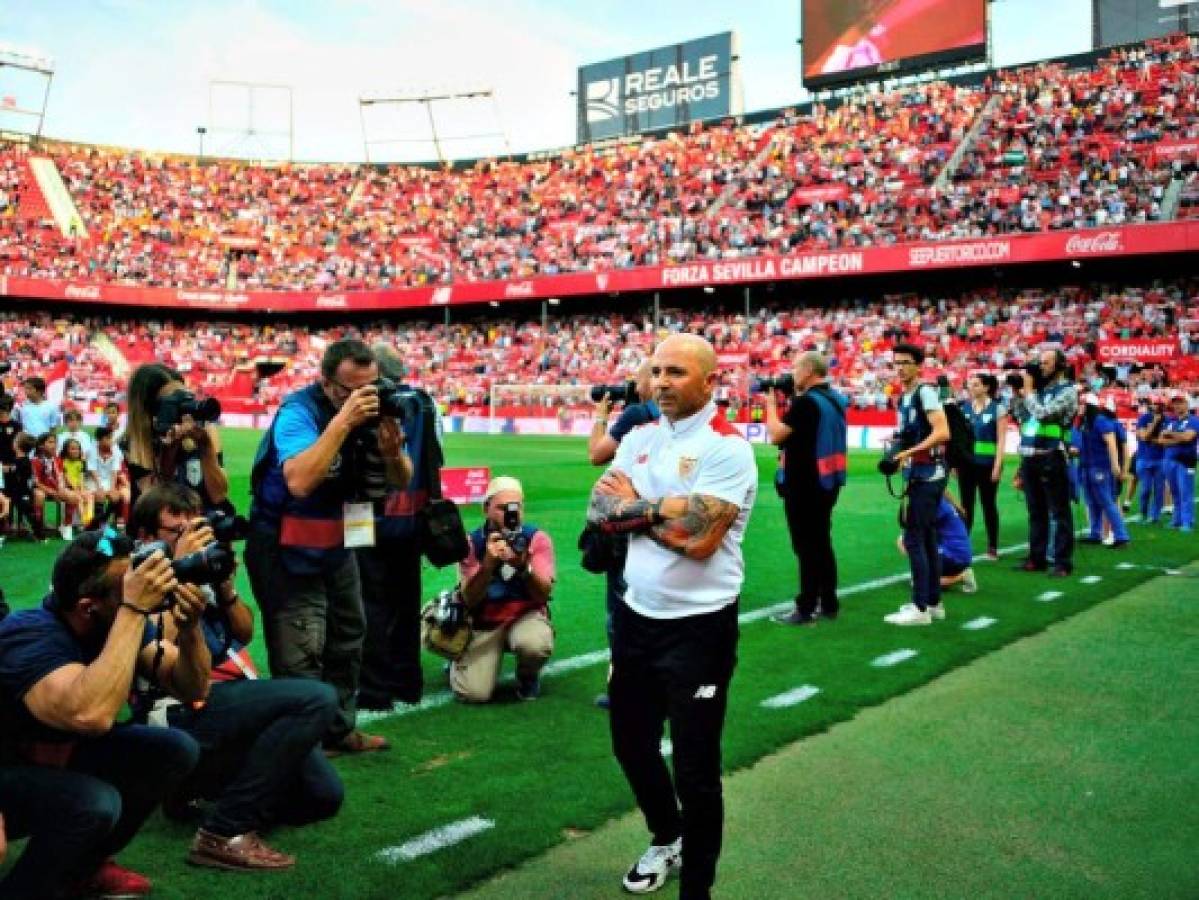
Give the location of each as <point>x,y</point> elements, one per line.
<point>261,756</point>
<point>920,540</point>
<point>78,816</point>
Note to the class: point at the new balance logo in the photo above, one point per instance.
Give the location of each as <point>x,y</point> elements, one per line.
<point>705,692</point>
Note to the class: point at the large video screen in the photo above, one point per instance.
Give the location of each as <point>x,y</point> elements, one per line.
<point>1130,21</point>
<point>850,40</point>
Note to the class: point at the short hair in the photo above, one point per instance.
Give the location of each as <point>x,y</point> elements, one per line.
<point>816,361</point>
<point>911,350</point>
<point>339,351</point>
<point>35,381</point>
<point>25,442</point>
<point>7,403</point>
<point>81,570</point>
<point>990,382</point>
<point>172,497</point>
<point>45,436</point>
<point>73,414</point>
<point>103,432</point>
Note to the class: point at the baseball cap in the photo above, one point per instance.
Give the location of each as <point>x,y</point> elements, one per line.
<point>501,484</point>
<point>83,558</point>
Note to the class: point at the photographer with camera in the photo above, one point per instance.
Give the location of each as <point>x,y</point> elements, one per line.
<point>66,669</point>
<point>639,409</point>
<point>261,761</point>
<point>812,438</point>
<point>919,451</point>
<point>506,583</point>
<point>1044,405</point>
<point>1150,468</point>
<point>390,571</point>
<point>332,450</point>
<point>172,436</point>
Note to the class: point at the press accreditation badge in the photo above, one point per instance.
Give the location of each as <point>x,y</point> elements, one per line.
<point>359,523</point>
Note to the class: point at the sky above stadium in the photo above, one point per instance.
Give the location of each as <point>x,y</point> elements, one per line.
<point>139,72</point>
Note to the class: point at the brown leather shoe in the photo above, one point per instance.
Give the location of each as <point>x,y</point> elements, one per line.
<point>358,742</point>
<point>239,853</point>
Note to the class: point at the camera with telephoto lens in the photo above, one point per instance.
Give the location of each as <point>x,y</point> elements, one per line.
<point>400,403</point>
<point>227,528</point>
<point>889,465</point>
<point>212,565</point>
<point>173,408</point>
<point>784,383</point>
<point>511,531</point>
<point>616,393</point>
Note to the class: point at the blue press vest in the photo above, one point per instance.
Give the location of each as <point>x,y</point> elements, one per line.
<point>914,427</point>
<point>1038,435</point>
<point>310,529</point>
<point>832,437</point>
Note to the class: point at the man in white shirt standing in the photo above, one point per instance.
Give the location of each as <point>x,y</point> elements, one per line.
<point>682,487</point>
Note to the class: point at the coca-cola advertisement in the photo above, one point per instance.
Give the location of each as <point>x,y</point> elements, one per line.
<point>1102,243</point>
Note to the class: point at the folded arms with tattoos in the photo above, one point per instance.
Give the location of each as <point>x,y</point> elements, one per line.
<point>692,526</point>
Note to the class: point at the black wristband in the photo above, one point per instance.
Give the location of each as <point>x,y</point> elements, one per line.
<point>136,609</point>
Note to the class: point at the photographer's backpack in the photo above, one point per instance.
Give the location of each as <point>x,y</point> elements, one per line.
<point>959,450</point>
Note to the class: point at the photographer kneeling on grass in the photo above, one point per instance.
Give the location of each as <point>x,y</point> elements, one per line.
<point>80,785</point>
<point>261,761</point>
<point>506,583</point>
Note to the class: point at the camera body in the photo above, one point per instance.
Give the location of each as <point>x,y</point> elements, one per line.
<point>616,393</point>
<point>511,531</point>
<point>227,528</point>
<point>212,565</point>
<point>889,465</point>
<point>449,611</point>
<point>784,383</point>
<point>400,403</point>
<point>173,408</point>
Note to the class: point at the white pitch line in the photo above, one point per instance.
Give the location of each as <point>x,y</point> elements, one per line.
<point>893,659</point>
<point>1091,579</point>
<point>791,698</point>
<point>1049,596</point>
<point>437,839</point>
<point>667,747</point>
<point>1127,565</point>
<point>979,624</point>
<point>582,661</point>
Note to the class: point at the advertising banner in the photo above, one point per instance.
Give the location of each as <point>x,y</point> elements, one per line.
<point>1148,350</point>
<point>849,40</point>
<point>1129,21</point>
<point>1129,240</point>
<point>465,485</point>
<point>663,88</point>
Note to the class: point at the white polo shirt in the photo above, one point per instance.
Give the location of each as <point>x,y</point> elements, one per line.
<point>703,454</point>
<point>105,468</point>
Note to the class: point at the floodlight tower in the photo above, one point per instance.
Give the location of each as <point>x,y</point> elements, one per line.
<point>41,68</point>
<point>428,98</point>
<point>250,125</point>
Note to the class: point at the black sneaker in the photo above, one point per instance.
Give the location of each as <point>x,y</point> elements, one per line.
<point>528,688</point>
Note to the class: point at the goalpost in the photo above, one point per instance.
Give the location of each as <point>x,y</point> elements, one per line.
<point>544,408</point>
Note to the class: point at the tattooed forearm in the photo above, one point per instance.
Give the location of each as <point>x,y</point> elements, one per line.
<point>618,515</point>
<point>699,530</point>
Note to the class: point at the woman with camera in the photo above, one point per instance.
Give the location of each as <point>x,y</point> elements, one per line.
<point>172,437</point>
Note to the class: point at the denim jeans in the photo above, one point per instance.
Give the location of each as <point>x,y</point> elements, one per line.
<point>79,816</point>
<point>920,540</point>
<point>1182,490</point>
<point>262,761</point>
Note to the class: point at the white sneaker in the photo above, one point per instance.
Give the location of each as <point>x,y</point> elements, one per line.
<point>1108,540</point>
<point>65,531</point>
<point>651,871</point>
<point>937,612</point>
<point>909,614</point>
<point>969,582</point>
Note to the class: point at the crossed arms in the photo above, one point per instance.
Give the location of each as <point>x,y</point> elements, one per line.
<point>692,526</point>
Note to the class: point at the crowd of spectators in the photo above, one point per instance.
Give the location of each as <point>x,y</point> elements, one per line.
<point>1043,147</point>
<point>982,329</point>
